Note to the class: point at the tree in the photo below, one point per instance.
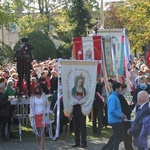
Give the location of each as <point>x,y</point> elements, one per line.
<point>79,16</point>
<point>7,16</point>
<point>6,52</point>
<point>35,22</point>
<point>43,45</point>
<point>135,17</point>
<point>7,13</point>
<point>39,16</point>
<point>63,33</point>
<point>72,21</point>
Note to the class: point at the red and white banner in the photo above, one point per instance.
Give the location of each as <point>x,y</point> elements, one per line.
<point>87,48</point>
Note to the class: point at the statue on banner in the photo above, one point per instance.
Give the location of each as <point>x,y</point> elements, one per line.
<point>88,54</point>
<point>78,91</point>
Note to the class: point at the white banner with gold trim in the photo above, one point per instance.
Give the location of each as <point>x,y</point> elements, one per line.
<point>78,84</point>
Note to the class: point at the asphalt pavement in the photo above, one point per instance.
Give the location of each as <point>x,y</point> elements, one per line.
<point>58,144</point>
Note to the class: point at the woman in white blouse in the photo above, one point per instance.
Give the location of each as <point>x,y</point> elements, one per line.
<point>39,113</point>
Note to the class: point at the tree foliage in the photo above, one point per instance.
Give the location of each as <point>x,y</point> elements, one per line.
<point>71,18</point>
<point>39,16</point>
<point>7,13</point>
<point>34,22</point>
<point>6,52</point>
<point>72,21</point>
<point>43,46</point>
<point>78,17</point>
<point>135,17</point>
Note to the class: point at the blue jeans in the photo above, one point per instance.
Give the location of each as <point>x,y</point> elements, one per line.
<point>118,134</point>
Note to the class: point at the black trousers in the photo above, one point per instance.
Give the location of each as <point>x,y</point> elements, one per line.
<point>97,115</point>
<point>127,138</point>
<point>118,134</point>
<point>79,124</point>
<point>4,121</point>
<point>105,118</point>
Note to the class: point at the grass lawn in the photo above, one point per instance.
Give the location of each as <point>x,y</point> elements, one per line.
<point>27,134</point>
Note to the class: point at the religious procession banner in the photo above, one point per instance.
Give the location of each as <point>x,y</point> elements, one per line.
<point>115,48</point>
<point>126,60</point>
<point>107,57</point>
<point>78,84</point>
<point>87,48</point>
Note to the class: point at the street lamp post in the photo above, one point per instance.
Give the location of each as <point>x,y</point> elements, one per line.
<point>102,14</point>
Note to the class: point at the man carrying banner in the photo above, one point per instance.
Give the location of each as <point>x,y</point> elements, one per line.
<point>78,81</point>
<point>79,120</point>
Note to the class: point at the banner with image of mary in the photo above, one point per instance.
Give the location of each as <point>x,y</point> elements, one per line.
<point>78,84</point>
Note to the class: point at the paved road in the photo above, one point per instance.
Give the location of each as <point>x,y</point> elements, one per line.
<point>58,144</point>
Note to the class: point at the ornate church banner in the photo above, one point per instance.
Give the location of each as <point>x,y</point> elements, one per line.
<point>87,48</point>
<point>116,48</point>
<point>108,58</point>
<point>78,84</point>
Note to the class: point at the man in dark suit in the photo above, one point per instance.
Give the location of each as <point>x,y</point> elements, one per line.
<point>142,112</point>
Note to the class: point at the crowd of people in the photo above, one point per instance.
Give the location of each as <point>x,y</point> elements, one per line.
<point>44,74</point>
<point>132,132</point>
<point>114,110</point>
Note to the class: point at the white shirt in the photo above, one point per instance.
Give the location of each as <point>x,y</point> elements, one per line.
<point>38,106</point>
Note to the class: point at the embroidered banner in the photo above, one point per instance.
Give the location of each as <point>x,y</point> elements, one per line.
<point>87,48</point>
<point>116,36</point>
<point>108,57</point>
<point>78,82</point>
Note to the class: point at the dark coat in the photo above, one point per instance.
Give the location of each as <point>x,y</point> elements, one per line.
<point>145,132</point>
<point>98,103</point>
<point>138,122</point>
<point>54,84</point>
<point>5,106</point>
<point>44,88</point>
<point>124,106</point>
